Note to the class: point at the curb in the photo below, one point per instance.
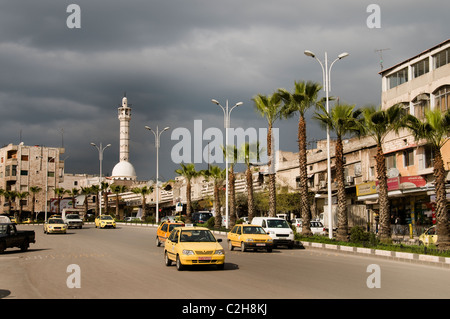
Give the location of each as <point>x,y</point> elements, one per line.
<point>393,255</point>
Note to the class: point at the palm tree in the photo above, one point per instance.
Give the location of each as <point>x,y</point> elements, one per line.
<point>270,107</point>
<point>118,189</point>
<point>378,124</point>
<point>73,193</point>
<point>188,172</point>
<point>218,176</point>
<point>247,154</point>
<point>104,189</point>
<point>232,159</point>
<point>304,96</point>
<point>95,189</point>
<point>59,192</point>
<point>144,191</point>
<point>10,196</point>
<point>21,196</point>
<point>34,190</point>
<point>86,191</point>
<point>343,120</point>
<point>434,129</point>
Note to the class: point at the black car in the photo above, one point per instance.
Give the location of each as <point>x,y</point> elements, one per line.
<point>201,217</point>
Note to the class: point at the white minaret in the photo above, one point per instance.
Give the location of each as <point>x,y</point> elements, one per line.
<point>124,118</point>
<point>124,170</point>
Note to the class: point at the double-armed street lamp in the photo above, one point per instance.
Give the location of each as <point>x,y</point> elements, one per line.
<point>326,82</point>
<point>226,113</point>
<point>100,157</point>
<point>157,140</point>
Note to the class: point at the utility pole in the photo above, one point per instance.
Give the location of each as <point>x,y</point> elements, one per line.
<point>381,56</point>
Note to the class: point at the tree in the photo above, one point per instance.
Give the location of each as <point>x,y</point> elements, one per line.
<point>378,124</point>
<point>10,197</point>
<point>104,189</point>
<point>304,96</point>
<point>434,130</point>
<point>34,190</point>
<point>270,107</point>
<point>247,154</point>
<point>217,175</point>
<point>188,172</point>
<point>86,191</point>
<point>118,189</point>
<point>143,191</point>
<point>343,120</point>
<point>73,193</point>
<point>59,192</point>
<point>21,196</point>
<point>232,153</point>
<point>95,189</point>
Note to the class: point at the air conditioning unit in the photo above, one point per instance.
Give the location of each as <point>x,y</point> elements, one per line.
<point>350,180</point>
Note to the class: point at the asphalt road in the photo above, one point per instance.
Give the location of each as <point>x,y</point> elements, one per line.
<point>124,263</point>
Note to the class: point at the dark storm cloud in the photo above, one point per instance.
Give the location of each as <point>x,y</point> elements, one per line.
<point>172,57</point>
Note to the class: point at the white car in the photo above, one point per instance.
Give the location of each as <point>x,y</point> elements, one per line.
<point>315,226</point>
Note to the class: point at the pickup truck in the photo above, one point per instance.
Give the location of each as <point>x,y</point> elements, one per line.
<point>11,237</point>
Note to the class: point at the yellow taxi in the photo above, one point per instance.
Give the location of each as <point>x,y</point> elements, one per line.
<point>164,230</point>
<point>249,236</point>
<point>55,225</point>
<point>105,221</point>
<point>429,237</point>
<point>193,246</point>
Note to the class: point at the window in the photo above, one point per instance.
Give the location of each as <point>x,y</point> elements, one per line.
<point>420,68</point>
<point>441,58</point>
<point>408,156</point>
<point>421,104</point>
<point>24,173</point>
<point>398,78</point>
<point>51,174</point>
<point>429,161</point>
<point>390,161</point>
<point>441,98</point>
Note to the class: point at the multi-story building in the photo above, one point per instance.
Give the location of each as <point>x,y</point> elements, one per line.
<point>22,167</point>
<point>419,83</point>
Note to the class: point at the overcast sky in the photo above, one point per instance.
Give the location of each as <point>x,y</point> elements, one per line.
<point>64,85</point>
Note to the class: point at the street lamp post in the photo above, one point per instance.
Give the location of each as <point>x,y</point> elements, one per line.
<point>46,186</point>
<point>326,81</point>
<point>226,113</point>
<point>100,158</point>
<point>157,140</point>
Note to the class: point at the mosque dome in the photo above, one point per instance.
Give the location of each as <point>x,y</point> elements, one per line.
<point>123,170</point>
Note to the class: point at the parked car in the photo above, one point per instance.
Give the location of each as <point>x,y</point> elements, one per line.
<point>193,246</point>
<point>201,217</point>
<point>73,220</point>
<point>278,229</point>
<point>55,225</point>
<point>315,226</point>
<point>164,230</point>
<point>249,236</point>
<point>105,221</point>
<point>428,237</point>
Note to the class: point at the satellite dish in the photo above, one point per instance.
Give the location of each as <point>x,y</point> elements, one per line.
<point>393,172</point>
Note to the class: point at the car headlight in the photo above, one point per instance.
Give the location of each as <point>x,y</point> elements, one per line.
<point>219,252</point>
<point>249,239</point>
<point>270,240</point>
<point>187,252</point>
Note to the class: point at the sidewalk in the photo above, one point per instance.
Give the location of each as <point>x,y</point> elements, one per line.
<point>393,255</point>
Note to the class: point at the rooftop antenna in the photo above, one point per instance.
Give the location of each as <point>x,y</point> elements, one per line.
<point>381,56</point>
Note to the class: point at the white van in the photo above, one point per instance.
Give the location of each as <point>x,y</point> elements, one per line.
<point>277,228</point>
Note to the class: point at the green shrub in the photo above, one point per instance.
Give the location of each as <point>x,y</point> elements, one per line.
<point>359,236</point>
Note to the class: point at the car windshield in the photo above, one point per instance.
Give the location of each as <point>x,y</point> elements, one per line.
<point>172,226</point>
<point>196,235</point>
<point>72,216</point>
<point>253,230</point>
<point>3,229</point>
<point>277,223</point>
<point>55,221</point>
<point>104,217</point>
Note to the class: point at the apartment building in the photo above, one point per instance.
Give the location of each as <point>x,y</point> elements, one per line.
<point>23,166</point>
<point>419,83</point>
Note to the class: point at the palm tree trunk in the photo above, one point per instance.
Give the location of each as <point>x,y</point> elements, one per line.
<point>442,218</point>
<point>272,182</point>
<point>188,203</point>
<point>218,218</point>
<point>342,232</point>
<point>304,203</point>
<point>232,203</point>
<point>385,221</point>
<point>250,200</point>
